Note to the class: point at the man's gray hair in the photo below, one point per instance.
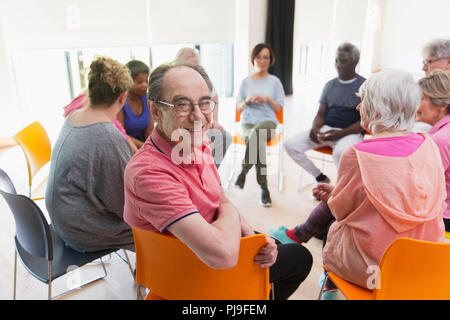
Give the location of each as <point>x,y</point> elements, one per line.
<point>351,49</point>
<point>439,48</point>
<point>157,77</point>
<point>186,51</point>
<point>390,100</point>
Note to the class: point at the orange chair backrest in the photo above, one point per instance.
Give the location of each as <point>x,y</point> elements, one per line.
<point>415,270</point>
<point>171,270</point>
<point>278,114</point>
<point>36,146</point>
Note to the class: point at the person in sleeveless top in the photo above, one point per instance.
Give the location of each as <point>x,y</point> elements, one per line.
<point>135,114</point>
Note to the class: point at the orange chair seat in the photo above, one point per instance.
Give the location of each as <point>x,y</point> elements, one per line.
<point>237,139</point>
<point>326,150</point>
<point>172,271</point>
<point>349,290</point>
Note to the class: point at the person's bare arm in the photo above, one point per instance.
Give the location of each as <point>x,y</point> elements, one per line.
<point>216,244</point>
<point>132,145</point>
<point>136,142</point>
<point>243,105</point>
<point>273,104</point>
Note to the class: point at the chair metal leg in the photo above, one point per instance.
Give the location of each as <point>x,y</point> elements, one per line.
<point>299,187</point>
<point>127,261</point>
<point>15,274</point>
<point>323,286</point>
<point>139,292</point>
<point>280,169</point>
<point>84,284</point>
<point>129,264</point>
<point>49,280</point>
<point>233,163</point>
<point>273,291</point>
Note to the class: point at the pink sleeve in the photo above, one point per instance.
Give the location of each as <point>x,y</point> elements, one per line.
<point>349,192</point>
<point>120,127</point>
<point>79,102</point>
<point>161,199</point>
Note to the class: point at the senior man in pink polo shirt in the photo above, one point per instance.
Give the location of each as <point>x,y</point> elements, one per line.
<point>172,184</point>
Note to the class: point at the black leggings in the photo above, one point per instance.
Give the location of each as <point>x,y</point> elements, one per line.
<point>293,265</point>
<point>447,224</point>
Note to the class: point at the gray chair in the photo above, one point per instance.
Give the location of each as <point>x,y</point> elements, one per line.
<point>42,252</point>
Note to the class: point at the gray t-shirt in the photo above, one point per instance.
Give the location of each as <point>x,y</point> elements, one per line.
<point>85,191</point>
<point>257,113</point>
<point>341,101</point>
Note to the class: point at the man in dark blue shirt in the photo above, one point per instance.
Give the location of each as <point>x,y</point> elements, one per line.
<point>337,123</point>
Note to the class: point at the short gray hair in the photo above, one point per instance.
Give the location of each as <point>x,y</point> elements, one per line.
<point>439,48</point>
<point>351,49</point>
<point>184,51</point>
<point>390,100</point>
<point>157,77</point>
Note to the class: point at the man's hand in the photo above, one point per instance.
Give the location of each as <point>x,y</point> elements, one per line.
<point>267,255</point>
<point>313,135</point>
<point>330,135</point>
<point>322,191</point>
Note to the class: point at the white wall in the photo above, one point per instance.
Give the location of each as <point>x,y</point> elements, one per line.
<point>251,18</point>
<point>407,25</point>
<point>7,103</point>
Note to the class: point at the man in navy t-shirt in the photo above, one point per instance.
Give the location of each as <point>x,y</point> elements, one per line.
<point>337,122</point>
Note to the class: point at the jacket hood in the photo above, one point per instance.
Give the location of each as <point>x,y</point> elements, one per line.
<point>406,191</point>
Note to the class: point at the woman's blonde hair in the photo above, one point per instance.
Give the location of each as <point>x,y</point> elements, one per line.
<point>108,79</point>
<point>437,86</point>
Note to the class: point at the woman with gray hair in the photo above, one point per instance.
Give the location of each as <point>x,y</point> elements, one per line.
<point>389,186</point>
<point>434,109</point>
<point>436,55</point>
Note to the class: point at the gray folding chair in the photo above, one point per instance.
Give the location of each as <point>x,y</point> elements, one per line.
<point>42,252</point>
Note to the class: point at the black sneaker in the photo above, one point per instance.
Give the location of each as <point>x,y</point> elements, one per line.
<point>240,181</point>
<point>321,178</point>
<point>265,200</point>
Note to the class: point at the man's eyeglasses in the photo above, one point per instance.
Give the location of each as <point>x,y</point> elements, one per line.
<point>184,107</point>
<point>430,61</point>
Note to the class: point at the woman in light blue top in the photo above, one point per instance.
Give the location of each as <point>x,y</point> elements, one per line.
<point>261,95</point>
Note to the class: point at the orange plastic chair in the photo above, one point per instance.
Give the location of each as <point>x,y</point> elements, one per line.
<point>36,146</point>
<point>172,271</point>
<point>276,140</point>
<point>409,270</point>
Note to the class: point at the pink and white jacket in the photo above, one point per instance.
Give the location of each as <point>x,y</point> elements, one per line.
<point>378,199</point>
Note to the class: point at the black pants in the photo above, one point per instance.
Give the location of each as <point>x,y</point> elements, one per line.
<point>293,265</point>
<point>447,224</point>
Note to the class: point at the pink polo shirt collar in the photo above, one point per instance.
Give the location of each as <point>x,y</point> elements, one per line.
<point>438,125</point>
